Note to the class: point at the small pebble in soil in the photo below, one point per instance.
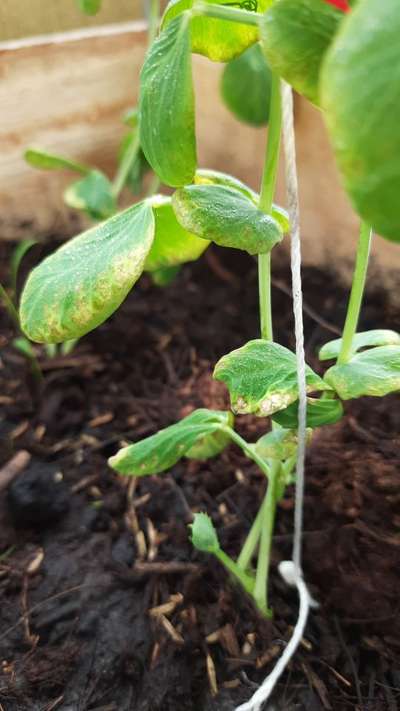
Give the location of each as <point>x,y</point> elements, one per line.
<point>38,496</point>
<point>123,550</point>
<point>94,518</point>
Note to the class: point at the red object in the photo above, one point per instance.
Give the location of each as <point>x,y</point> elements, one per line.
<point>341,4</point>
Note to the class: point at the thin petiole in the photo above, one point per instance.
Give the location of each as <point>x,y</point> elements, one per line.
<point>153,18</point>
<point>222,12</point>
<point>132,152</point>
<point>251,541</point>
<point>253,536</point>
<point>246,580</point>
<point>9,306</point>
<point>125,165</point>
<point>357,292</point>
<point>267,192</point>
<point>260,592</point>
<point>248,450</point>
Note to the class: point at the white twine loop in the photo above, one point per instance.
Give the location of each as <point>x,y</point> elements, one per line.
<point>290,575</point>
<point>291,569</point>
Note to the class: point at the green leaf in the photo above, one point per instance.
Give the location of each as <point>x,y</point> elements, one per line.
<point>48,161</point>
<point>204,536</point>
<point>93,195</point>
<point>89,7</point>
<point>375,372</point>
<point>364,339</point>
<point>165,275</point>
<point>281,217</point>
<point>167,120</point>
<point>246,86</point>
<point>83,283</point>
<point>161,451</point>
<point>319,412</point>
<point>278,444</point>
<point>204,176</point>
<point>261,377</point>
<point>211,444</point>
<point>362,108</point>
<point>227,217</point>
<point>172,244</point>
<point>295,36</point>
<point>219,40</point>
<point>215,177</point>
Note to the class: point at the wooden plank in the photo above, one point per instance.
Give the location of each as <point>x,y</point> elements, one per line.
<point>70,97</point>
<point>25,18</point>
<point>67,98</point>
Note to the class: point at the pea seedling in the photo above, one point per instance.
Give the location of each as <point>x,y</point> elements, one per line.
<point>83,283</point>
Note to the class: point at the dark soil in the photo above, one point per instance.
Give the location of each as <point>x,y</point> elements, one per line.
<point>86,555</point>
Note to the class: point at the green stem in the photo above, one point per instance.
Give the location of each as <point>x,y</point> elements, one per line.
<point>357,291</point>
<point>253,535</point>
<point>35,369</point>
<point>126,163</point>
<point>134,147</point>
<point>288,465</point>
<point>248,450</point>
<point>9,306</point>
<point>264,292</point>
<point>268,186</point>
<point>251,541</point>
<point>260,592</point>
<point>233,568</point>
<point>154,14</point>
<point>222,12</point>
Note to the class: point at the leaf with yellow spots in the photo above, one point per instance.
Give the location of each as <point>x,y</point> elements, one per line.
<point>261,377</point>
<point>161,451</point>
<point>81,284</point>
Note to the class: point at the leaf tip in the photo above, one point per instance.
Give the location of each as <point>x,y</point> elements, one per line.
<point>203,534</point>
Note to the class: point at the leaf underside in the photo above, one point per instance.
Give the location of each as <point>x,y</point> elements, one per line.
<point>319,412</point>
<point>93,195</point>
<point>246,86</point>
<point>364,339</point>
<point>215,177</point>
<point>167,120</point>
<point>172,245</point>
<point>278,444</point>
<point>226,217</point>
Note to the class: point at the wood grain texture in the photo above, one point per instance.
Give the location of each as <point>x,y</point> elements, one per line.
<point>70,98</point>
<point>25,18</point>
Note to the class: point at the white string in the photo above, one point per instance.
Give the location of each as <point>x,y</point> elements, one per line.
<point>288,571</point>
<point>295,258</point>
<point>291,569</point>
